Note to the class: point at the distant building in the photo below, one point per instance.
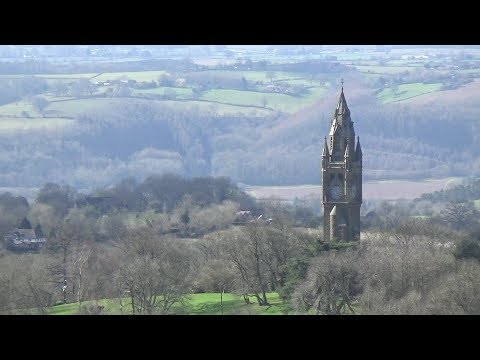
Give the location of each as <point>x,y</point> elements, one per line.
<point>342,178</point>
<point>24,238</point>
<point>242,217</point>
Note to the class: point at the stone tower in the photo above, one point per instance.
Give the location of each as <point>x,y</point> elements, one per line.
<point>341,178</point>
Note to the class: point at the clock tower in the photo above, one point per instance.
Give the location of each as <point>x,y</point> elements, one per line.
<point>341,178</point>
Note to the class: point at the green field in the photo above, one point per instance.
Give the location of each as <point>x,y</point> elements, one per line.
<point>16,108</point>
<point>469,71</point>
<point>407,91</point>
<point>22,115</point>
<point>280,102</point>
<point>296,81</point>
<point>377,69</point>
<point>477,203</point>
<point>27,124</point>
<point>197,304</point>
<point>67,76</point>
<point>259,75</point>
<point>182,93</point>
<point>77,106</point>
<point>219,108</point>
<point>131,75</point>
<point>280,76</point>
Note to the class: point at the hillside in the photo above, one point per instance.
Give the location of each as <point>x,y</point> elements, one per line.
<point>260,122</point>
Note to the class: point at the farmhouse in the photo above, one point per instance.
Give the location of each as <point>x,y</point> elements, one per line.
<point>25,238</point>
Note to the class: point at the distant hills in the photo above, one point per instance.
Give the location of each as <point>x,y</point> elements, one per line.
<point>257,122</point>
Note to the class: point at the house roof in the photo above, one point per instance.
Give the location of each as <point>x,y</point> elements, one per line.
<point>26,233</point>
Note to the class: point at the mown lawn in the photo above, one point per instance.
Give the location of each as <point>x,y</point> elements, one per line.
<point>209,304</point>
<point>197,304</point>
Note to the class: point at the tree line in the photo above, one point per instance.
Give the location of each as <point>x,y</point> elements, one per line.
<point>152,244</point>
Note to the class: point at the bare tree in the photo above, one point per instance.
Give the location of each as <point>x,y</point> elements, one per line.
<point>460,215</point>
<point>394,88</point>
<point>80,257</point>
<point>256,251</point>
<point>39,287</point>
<point>60,88</point>
<point>332,284</point>
<point>245,249</point>
<point>27,284</point>
<point>458,292</point>
<point>123,91</point>
<point>264,101</point>
<point>39,103</point>
<point>82,87</point>
<point>66,236</point>
<point>401,266</point>
<point>170,94</point>
<point>271,75</point>
<point>156,271</point>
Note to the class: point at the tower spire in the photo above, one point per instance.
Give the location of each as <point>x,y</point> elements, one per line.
<point>342,107</point>
<point>342,177</point>
<point>325,152</point>
<point>358,150</point>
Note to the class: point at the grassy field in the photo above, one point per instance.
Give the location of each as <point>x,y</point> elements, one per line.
<point>197,304</point>
<point>28,124</point>
<point>132,75</point>
<point>260,75</point>
<point>381,190</point>
<point>477,203</point>
<point>22,115</point>
<point>67,76</point>
<point>280,102</point>
<point>182,93</point>
<point>469,71</point>
<point>407,91</point>
<point>75,107</point>
<point>16,108</point>
<point>280,76</point>
<point>377,69</point>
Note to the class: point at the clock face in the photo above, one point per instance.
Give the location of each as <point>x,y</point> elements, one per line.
<point>335,192</point>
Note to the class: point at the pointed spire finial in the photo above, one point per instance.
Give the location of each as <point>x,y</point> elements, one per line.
<point>325,152</point>
<point>358,150</point>
<point>342,84</point>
